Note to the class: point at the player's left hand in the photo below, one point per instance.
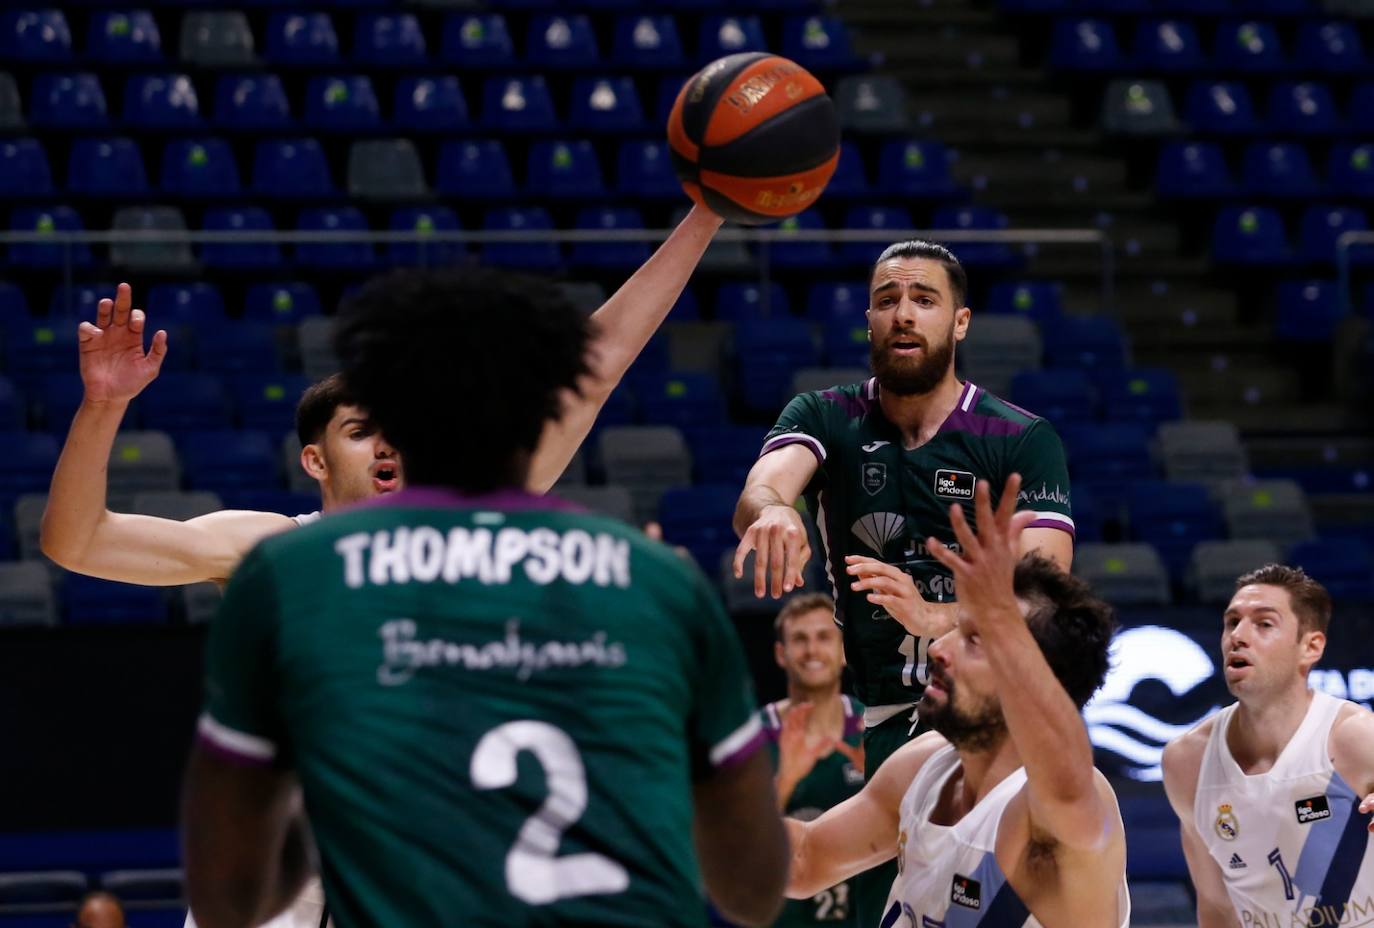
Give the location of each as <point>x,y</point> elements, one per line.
<point>983,574</point>
<point>1367,806</point>
<point>893,589</point>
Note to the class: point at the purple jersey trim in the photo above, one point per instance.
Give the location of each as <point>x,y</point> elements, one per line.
<point>228,754</point>
<point>794,438</point>
<point>1051,523</point>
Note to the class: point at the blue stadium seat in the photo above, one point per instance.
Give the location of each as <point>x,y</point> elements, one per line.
<point>1350,169</point>
<point>895,219</point>
<point>1309,310</point>
<point>1173,517</point>
<point>1361,102</point>
<point>161,101</point>
<point>842,301</point>
<point>124,37</point>
<point>290,169</point>
<point>819,43</point>
<point>236,347</point>
<point>668,90</point>
<point>813,254</point>
<point>682,399</point>
<point>430,104</point>
<point>24,170</point>
<point>768,351</point>
<point>1167,45</point>
<point>91,601</point>
<point>240,254</point>
<point>609,254</point>
<point>729,35</point>
<point>1065,397</point>
<point>1039,300</point>
<point>106,167</point>
<point>251,101</point>
<point>724,453</point>
<point>564,169</point>
<point>281,303</point>
<point>1220,107</point>
<point>561,41</point>
<point>1321,226</point>
<point>35,35</point>
<point>647,41</point>
<point>1345,566</point>
<point>976,218</point>
<point>651,362</point>
<point>1303,107</point>
<point>34,348</point>
<point>389,40</point>
<point>699,519</point>
<point>914,168</point>
<point>686,308</point>
<point>47,220</point>
<point>1280,169</point>
<point>200,168</point>
<point>475,168</point>
<point>845,343</point>
<point>301,39</point>
<point>77,301</point>
<point>1108,456</point>
<point>342,103</point>
<point>541,255</point>
<point>1150,395</point>
<point>517,104</point>
<point>1249,235</point>
<point>14,306</point>
<point>477,41</point>
<point>849,179</point>
<point>1086,343</point>
<point>424,220</point>
<point>1332,46</point>
<point>334,254</point>
<point>644,170</point>
<point>1248,46</point>
<point>741,300</point>
<point>193,305</point>
<point>67,101</point>
<point>1193,169</point>
<point>179,402</point>
<point>12,414</point>
<point>605,105</point>
<point>1084,45</point>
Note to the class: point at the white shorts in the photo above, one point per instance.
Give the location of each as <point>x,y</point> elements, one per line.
<point>306,912</point>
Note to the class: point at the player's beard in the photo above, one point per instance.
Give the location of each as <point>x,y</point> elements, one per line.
<point>905,377</point>
<point>975,730</point>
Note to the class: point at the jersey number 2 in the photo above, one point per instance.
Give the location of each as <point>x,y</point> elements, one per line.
<point>534,872</point>
<point>914,650</point>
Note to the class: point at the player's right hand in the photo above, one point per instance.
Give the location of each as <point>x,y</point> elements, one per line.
<point>114,366</point>
<point>781,550</point>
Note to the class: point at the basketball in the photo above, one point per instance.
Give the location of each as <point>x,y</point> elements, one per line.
<point>754,137</point>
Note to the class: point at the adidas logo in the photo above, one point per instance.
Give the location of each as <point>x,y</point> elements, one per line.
<point>1237,863</point>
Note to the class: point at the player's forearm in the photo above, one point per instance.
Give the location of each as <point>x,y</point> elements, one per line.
<point>755,498</point>
<point>76,497</point>
<point>1210,915</point>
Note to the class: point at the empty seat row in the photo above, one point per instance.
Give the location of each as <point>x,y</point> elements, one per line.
<point>473,40</point>
<point>1226,108</point>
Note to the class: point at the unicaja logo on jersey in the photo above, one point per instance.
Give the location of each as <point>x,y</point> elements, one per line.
<point>966,892</point>
<point>874,478</point>
<point>1228,828</point>
<point>878,528</point>
<point>1312,810</point>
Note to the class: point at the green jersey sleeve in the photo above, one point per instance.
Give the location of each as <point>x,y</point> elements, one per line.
<point>724,726</point>
<point>803,421</point>
<point>1039,459</point>
<point>241,718</point>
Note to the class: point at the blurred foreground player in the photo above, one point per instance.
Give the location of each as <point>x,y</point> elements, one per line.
<point>997,817</point>
<point>1274,792</point>
<point>497,711</point>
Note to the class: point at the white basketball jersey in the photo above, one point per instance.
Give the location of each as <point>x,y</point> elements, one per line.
<point>1291,846</point>
<point>948,875</point>
<point>306,912</point>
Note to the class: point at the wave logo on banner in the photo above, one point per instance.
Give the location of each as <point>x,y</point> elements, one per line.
<point>1149,652</point>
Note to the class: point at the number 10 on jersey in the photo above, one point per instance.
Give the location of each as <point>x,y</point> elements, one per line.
<point>915,650</point>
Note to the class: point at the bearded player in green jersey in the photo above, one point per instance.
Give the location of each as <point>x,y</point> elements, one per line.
<point>816,734</point>
<point>879,464</point>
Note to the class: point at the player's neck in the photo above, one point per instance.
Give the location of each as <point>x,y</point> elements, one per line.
<point>919,416</point>
<point>981,771</point>
<point>1261,729</point>
<point>827,714</point>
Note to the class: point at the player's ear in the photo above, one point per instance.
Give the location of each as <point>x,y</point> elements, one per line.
<point>312,461</point>
<point>1313,646</point>
<point>962,315</point>
<point>777,653</point>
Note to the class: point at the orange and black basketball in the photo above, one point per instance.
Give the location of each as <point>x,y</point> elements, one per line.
<point>754,137</point>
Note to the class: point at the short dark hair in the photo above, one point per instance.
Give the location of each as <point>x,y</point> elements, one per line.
<point>919,248</point>
<point>317,406</point>
<point>1311,601</point>
<point>461,368</point>
<point>799,605</point>
<point>1072,625</point>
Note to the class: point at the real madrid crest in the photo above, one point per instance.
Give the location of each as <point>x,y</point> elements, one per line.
<point>1228,829</point>
<point>901,851</point>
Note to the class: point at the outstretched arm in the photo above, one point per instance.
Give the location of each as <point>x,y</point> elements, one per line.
<point>78,531</point>
<point>624,324</point>
<point>768,524</point>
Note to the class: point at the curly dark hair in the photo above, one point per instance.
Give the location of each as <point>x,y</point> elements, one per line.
<point>461,368</point>
<point>317,406</point>
<point>1071,623</point>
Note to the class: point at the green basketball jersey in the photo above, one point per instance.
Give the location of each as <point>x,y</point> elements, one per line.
<point>871,496</point>
<point>833,780</point>
<point>496,708</point>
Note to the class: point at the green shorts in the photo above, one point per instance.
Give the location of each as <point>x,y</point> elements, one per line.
<point>871,888</point>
